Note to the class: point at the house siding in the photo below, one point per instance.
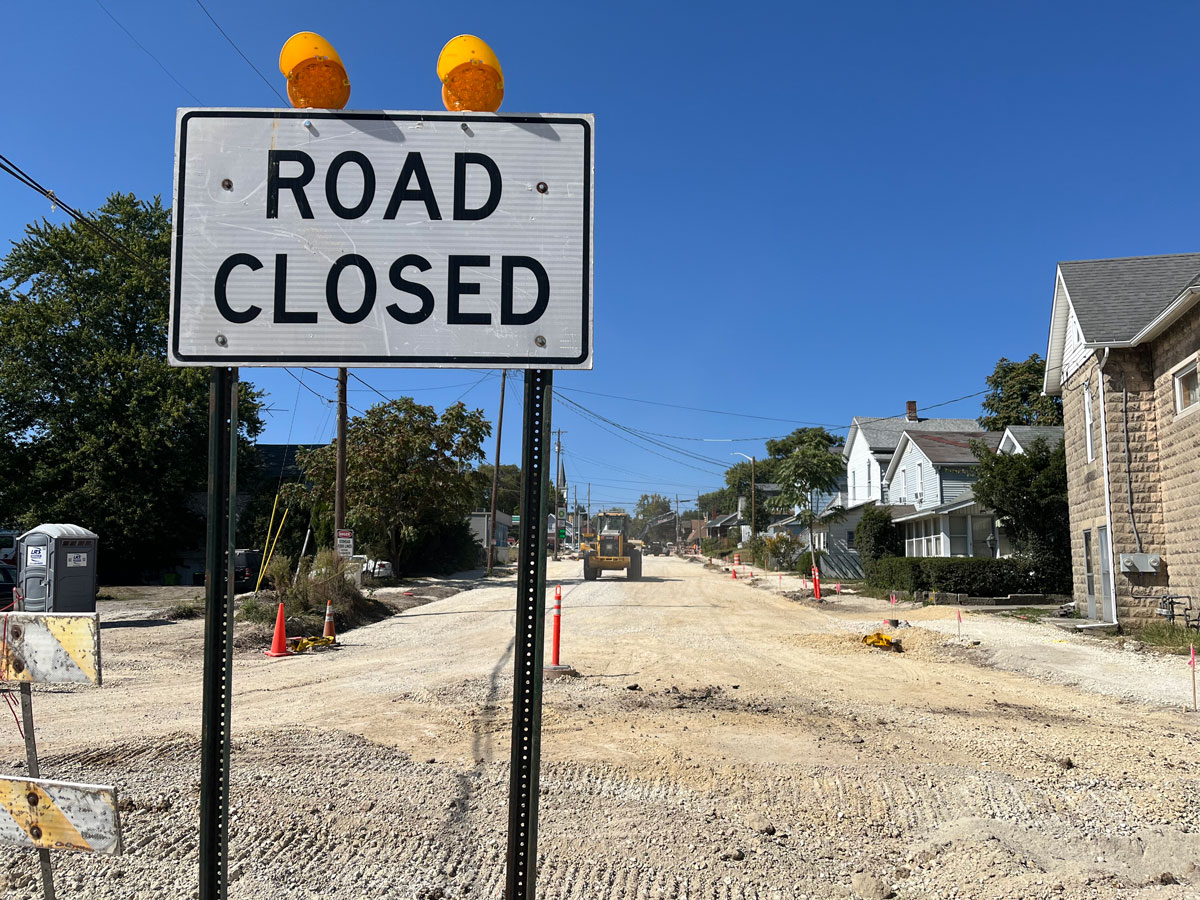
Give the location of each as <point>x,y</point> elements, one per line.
<point>860,461</point>
<point>1075,354</point>
<point>929,485</point>
<point>956,481</point>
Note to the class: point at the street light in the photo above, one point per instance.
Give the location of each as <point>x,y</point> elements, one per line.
<point>753,530</point>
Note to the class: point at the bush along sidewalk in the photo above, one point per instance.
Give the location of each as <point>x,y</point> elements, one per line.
<point>974,577</point>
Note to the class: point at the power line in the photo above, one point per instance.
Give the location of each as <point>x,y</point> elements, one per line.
<point>718,412</point>
<point>282,99</point>
<point>141,47</point>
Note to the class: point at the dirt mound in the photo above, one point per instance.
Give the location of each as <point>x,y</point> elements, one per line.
<point>918,643</point>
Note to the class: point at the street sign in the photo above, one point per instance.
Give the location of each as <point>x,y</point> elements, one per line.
<point>345,543</point>
<point>59,815</point>
<point>334,238</point>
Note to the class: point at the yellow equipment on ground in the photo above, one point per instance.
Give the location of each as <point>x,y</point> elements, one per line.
<point>611,549</point>
<point>882,641</point>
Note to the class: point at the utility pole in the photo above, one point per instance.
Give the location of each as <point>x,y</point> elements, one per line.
<point>491,540</point>
<point>339,488</point>
<point>589,514</point>
<point>677,538</point>
<point>753,529</point>
<point>557,487</point>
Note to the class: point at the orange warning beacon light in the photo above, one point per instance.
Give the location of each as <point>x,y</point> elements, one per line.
<point>315,75</point>
<point>470,74</point>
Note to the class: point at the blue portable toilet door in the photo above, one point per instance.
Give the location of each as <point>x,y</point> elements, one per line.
<point>33,571</point>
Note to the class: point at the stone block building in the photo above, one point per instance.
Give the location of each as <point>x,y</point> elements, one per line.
<point>1123,354</point>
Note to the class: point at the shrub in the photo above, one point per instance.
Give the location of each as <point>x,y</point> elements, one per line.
<point>976,577</point>
<point>876,537</point>
<point>783,549</point>
<point>804,562</point>
<point>897,573</point>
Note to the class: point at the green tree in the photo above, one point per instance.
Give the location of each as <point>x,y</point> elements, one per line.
<point>813,467</point>
<point>1028,491</point>
<point>408,476</point>
<point>717,503</point>
<point>508,488</point>
<point>97,428</point>
<point>1016,398</point>
<point>875,536</point>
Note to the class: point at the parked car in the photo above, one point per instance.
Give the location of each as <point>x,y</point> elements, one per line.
<point>381,568</point>
<point>8,581</point>
<point>246,564</point>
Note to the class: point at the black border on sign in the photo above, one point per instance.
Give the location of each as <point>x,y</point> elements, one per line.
<point>532,362</point>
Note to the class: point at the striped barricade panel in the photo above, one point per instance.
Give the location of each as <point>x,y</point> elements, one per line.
<point>50,648</point>
<point>59,815</point>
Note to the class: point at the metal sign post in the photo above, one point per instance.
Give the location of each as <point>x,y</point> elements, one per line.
<point>323,237</point>
<point>521,880</point>
<point>218,634</point>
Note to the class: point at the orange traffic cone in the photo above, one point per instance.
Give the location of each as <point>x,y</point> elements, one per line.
<point>734,571</point>
<point>279,641</point>
<point>330,627</point>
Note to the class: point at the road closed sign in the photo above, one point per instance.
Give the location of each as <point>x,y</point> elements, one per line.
<point>314,237</point>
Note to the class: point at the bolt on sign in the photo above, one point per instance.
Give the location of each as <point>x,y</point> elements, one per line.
<point>336,238</point>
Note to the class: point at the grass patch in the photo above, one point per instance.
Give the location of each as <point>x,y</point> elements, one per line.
<point>1029,613</point>
<point>1165,636</point>
<point>185,610</point>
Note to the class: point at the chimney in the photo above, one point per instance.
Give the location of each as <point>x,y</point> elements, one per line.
<point>910,410</point>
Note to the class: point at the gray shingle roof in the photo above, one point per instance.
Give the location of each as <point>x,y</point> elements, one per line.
<point>1027,434</point>
<point>953,448</point>
<point>884,434</point>
<point>1114,299</point>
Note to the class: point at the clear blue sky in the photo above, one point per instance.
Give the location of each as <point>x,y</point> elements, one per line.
<point>804,211</point>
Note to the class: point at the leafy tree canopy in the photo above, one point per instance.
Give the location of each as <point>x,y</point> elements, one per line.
<point>508,488</point>
<point>97,429</point>
<point>1015,396</point>
<point>1028,491</point>
<point>408,473</point>
<point>813,467</point>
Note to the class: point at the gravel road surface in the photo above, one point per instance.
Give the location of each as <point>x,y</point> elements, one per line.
<point>722,742</point>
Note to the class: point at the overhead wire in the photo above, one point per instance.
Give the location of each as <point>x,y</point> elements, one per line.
<point>234,45</point>
<point>142,47</point>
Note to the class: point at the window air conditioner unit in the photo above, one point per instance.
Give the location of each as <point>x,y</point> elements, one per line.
<point>918,495</point>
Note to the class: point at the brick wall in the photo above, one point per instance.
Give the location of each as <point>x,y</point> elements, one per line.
<point>1131,414</point>
<point>1085,481</point>
<point>1179,457</point>
<point>1162,465</point>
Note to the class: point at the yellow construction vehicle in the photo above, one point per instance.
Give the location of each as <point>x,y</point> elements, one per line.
<point>611,548</point>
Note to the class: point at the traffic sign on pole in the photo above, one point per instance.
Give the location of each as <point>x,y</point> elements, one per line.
<point>344,238</point>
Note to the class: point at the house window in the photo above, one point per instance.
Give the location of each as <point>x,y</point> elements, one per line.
<point>853,486</point>
<point>868,480</point>
<point>958,535</point>
<point>850,539</point>
<point>903,487</point>
<point>1087,421</point>
<point>918,488</point>
<point>1187,389</point>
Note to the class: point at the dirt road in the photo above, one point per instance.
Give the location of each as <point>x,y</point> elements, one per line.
<point>722,742</point>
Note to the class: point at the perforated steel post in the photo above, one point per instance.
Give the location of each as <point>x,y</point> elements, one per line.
<point>218,634</point>
<point>521,880</point>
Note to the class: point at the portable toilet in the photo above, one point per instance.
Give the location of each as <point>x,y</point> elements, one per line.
<point>56,569</point>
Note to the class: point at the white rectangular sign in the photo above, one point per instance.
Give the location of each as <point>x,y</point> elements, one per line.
<point>345,543</point>
<point>314,237</point>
